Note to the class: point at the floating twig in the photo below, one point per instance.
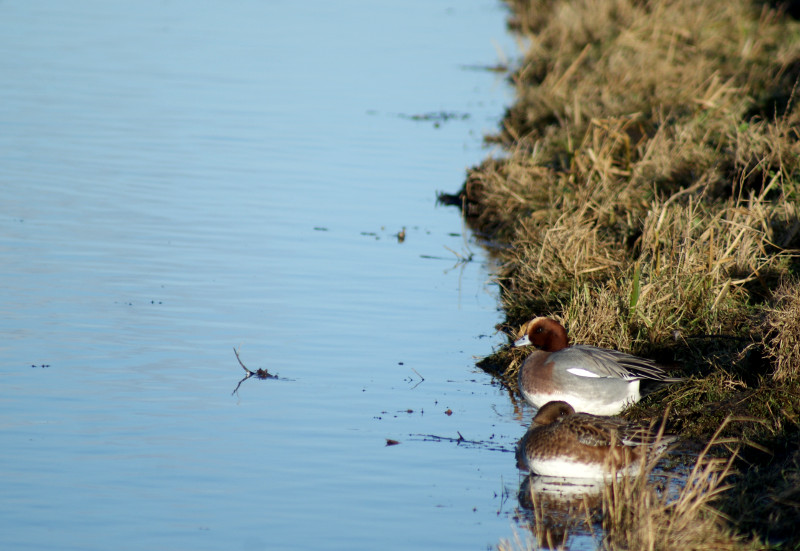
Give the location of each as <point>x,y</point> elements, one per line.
<point>421,379</point>
<point>259,374</point>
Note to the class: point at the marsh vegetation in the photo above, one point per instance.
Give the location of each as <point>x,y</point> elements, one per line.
<point>649,199</point>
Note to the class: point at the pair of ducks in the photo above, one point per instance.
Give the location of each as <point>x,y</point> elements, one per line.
<point>560,379</point>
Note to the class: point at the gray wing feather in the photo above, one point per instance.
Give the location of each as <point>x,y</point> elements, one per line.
<point>612,363</point>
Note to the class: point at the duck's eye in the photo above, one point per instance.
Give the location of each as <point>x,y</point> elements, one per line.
<point>539,330</point>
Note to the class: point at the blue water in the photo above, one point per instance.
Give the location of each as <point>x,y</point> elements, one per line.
<point>180,178</point>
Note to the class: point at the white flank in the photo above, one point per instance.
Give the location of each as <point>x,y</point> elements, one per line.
<point>582,372</point>
<point>567,468</point>
<point>597,405</point>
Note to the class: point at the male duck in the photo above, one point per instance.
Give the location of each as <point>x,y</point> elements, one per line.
<point>563,443</point>
<point>593,380</point>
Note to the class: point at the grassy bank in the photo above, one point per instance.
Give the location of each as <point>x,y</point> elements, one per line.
<point>649,199</point>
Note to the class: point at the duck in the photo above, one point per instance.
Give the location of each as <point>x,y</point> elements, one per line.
<point>599,381</point>
<point>563,443</point>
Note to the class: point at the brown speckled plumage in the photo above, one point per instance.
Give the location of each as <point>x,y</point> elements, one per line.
<point>608,443</point>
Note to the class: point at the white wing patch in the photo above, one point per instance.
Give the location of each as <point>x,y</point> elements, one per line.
<point>582,372</point>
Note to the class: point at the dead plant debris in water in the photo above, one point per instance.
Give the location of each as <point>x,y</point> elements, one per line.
<point>649,199</point>
<point>258,374</point>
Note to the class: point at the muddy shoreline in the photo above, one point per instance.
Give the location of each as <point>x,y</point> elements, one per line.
<point>649,200</point>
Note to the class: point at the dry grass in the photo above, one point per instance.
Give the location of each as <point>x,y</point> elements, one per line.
<point>781,332</point>
<point>650,200</point>
<point>651,191</point>
<point>639,515</point>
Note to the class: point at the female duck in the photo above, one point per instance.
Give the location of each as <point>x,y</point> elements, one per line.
<point>563,443</point>
<point>594,380</point>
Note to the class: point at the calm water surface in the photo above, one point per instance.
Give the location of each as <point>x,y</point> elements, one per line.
<point>184,177</point>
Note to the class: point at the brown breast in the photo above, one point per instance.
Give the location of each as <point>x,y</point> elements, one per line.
<point>536,373</point>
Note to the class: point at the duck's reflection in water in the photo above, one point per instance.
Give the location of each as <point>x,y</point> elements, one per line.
<point>558,508</point>
<point>557,490</point>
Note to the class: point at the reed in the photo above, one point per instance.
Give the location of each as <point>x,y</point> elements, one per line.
<point>638,514</point>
